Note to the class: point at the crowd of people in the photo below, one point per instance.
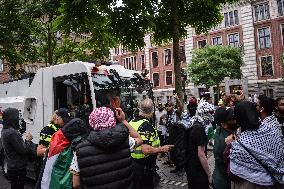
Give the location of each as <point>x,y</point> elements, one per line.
<point>111,152</point>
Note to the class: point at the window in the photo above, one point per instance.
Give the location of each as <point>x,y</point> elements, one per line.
<point>280,5</point>
<point>217,40</point>
<point>155,59</point>
<point>130,63</point>
<point>282,32</point>
<point>116,50</point>
<point>169,77</point>
<point>1,65</point>
<point>143,62</point>
<point>236,15</point>
<point>266,66</point>
<point>182,53</point>
<point>264,38</point>
<point>226,19</point>
<point>234,40</point>
<point>202,43</point>
<point>168,56</point>
<point>261,12</point>
<point>156,79</point>
<point>231,18</point>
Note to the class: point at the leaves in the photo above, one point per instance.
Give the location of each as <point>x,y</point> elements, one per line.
<point>211,64</point>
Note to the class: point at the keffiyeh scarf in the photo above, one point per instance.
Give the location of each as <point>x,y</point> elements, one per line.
<point>203,114</point>
<point>266,145</point>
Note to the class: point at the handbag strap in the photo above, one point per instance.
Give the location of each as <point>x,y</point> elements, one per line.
<point>259,162</point>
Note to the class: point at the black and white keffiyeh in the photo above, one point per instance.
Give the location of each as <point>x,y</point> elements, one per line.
<point>266,145</point>
<point>203,114</point>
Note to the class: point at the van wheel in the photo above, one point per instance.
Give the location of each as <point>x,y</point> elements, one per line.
<point>4,165</point>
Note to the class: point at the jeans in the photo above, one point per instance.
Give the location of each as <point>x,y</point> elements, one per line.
<point>17,178</point>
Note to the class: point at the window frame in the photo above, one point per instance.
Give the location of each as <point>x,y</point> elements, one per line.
<point>282,7</point>
<point>234,38</point>
<point>264,7</point>
<point>180,55</point>
<point>200,41</point>
<point>215,37</point>
<point>143,64</point>
<point>158,78</point>
<point>272,66</point>
<point>171,57</point>
<point>270,40</point>
<point>166,78</point>
<point>157,59</point>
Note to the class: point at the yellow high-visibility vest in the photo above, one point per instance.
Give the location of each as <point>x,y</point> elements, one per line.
<point>138,154</point>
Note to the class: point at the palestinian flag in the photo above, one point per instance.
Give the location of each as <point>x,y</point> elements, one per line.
<point>56,173</point>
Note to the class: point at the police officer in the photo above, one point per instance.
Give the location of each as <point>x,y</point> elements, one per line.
<point>59,119</point>
<point>145,155</point>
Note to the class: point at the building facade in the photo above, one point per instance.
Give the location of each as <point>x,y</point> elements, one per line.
<point>256,27</point>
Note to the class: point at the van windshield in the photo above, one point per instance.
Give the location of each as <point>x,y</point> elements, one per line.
<point>128,89</point>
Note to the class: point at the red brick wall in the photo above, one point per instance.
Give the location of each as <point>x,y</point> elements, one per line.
<point>4,75</point>
<point>222,32</point>
<point>276,49</point>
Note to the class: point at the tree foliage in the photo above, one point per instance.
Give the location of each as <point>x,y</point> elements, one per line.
<point>128,23</point>
<point>211,64</point>
<point>16,29</point>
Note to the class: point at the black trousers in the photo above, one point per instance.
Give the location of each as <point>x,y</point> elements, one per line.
<point>143,177</point>
<point>17,178</point>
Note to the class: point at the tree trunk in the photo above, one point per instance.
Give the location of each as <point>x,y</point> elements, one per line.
<point>176,54</point>
<point>49,42</point>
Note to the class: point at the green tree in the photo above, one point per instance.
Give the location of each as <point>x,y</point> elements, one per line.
<point>16,39</point>
<point>211,64</point>
<point>129,22</point>
<point>167,20</point>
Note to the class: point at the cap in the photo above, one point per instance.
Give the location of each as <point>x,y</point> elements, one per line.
<point>223,115</point>
<point>64,114</point>
<point>102,118</point>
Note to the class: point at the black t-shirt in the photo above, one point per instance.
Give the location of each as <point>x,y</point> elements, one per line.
<point>147,131</point>
<point>196,137</point>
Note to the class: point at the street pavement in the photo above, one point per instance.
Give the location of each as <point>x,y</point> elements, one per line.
<point>168,180</point>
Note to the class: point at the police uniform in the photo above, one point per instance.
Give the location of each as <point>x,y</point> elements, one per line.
<point>46,133</point>
<point>144,165</point>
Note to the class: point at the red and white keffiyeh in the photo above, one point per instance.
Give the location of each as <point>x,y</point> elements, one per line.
<point>102,118</point>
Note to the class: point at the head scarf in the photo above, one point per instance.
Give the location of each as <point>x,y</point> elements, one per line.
<point>203,114</point>
<point>102,118</point>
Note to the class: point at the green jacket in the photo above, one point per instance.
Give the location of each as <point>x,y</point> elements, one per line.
<point>220,176</point>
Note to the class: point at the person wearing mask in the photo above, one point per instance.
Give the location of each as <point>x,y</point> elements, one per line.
<point>226,126</point>
<point>256,156</point>
<point>16,150</point>
<point>197,168</point>
<point>280,113</point>
<point>144,157</point>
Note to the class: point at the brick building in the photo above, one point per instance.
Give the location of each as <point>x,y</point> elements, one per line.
<point>257,27</point>
<point>4,71</point>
